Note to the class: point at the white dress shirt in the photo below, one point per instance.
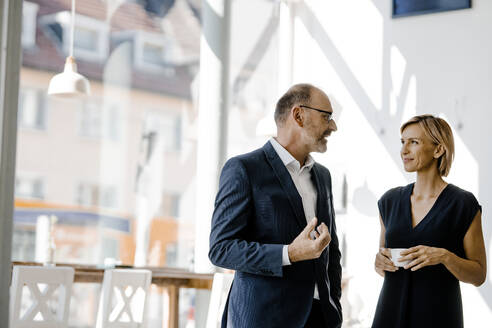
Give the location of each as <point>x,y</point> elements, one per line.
<point>301,176</point>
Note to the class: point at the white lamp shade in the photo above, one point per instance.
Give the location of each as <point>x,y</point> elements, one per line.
<point>69,83</point>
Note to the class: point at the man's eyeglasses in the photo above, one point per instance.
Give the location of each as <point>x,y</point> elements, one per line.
<point>326,114</point>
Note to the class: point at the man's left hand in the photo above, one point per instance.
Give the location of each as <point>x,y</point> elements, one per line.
<point>421,256</point>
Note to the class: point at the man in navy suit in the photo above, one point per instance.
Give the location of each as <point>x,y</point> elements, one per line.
<point>274,223</point>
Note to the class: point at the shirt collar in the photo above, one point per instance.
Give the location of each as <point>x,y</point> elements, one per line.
<point>288,159</point>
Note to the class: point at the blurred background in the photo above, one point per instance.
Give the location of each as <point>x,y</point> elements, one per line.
<point>129,174</point>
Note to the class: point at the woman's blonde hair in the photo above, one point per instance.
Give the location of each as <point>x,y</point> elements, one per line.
<point>440,133</point>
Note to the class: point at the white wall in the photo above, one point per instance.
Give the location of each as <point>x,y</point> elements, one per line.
<point>380,72</point>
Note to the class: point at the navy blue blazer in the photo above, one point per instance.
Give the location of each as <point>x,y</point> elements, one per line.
<point>257,211</point>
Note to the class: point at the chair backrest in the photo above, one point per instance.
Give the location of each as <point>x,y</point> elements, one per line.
<point>220,290</point>
<point>123,299</point>
<point>43,283</point>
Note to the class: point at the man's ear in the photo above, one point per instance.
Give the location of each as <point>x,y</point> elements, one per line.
<point>298,115</point>
<point>439,151</point>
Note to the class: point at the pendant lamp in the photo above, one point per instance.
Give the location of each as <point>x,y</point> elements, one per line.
<point>69,84</point>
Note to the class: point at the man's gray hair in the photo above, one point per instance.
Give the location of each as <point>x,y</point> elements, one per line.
<point>298,94</point>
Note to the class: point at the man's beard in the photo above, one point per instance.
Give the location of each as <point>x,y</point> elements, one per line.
<point>318,143</point>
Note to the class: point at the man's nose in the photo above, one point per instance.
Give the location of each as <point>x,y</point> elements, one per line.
<point>332,125</point>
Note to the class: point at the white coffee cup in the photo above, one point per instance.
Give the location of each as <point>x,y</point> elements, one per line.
<point>395,255</point>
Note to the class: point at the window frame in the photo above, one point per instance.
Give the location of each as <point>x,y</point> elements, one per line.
<point>10,61</point>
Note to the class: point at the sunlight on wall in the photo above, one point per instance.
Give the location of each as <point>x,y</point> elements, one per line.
<point>347,62</point>
<point>357,34</point>
<point>410,108</point>
<point>465,170</point>
<point>356,150</point>
<point>397,68</point>
<point>475,310</point>
<point>465,174</point>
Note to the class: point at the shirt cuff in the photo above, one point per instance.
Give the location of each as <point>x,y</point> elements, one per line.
<point>285,255</point>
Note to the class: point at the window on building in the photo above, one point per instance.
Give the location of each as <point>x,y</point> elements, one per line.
<point>87,39</point>
<point>110,249</point>
<point>171,254</point>
<point>170,205</point>
<point>29,14</point>
<point>112,125</point>
<point>90,120</point>
<point>171,129</point>
<point>30,187</point>
<point>91,194</point>
<point>32,108</point>
<point>153,53</point>
<point>91,41</point>
<point>87,194</point>
<point>108,197</point>
<point>96,121</point>
<point>23,243</point>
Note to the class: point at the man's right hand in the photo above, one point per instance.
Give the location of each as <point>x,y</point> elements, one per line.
<point>305,247</point>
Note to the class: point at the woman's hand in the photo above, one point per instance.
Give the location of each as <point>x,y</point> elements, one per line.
<point>422,256</point>
<point>383,262</point>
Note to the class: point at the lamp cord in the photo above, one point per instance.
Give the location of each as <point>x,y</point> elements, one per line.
<point>72,28</point>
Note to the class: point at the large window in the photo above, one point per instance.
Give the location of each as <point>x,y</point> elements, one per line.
<point>120,159</point>
<point>124,159</point>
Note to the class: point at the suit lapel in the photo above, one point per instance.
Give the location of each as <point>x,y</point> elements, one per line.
<point>286,182</point>
<point>322,200</point>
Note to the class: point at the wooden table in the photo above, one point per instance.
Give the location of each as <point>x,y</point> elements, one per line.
<point>170,278</point>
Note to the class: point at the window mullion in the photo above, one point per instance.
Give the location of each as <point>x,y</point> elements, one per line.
<point>10,40</point>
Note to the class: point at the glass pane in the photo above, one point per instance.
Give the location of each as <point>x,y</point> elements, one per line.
<point>111,178</point>
<point>254,65</point>
<point>110,165</point>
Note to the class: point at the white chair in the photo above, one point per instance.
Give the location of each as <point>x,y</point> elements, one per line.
<point>220,290</point>
<point>39,314</point>
<point>123,301</point>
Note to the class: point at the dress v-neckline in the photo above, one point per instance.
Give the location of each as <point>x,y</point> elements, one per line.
<point>425,218</point>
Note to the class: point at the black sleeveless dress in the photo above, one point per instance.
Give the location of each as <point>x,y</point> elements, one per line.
<point>430,296</point>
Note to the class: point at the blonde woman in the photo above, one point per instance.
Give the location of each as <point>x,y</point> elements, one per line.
<point>440,227</point>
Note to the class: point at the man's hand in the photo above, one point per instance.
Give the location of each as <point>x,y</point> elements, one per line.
<point>305,247</point>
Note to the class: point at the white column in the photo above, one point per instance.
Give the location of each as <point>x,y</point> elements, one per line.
<point>212,119</point>
<point>285,47</point>
<point>266,126</point>
<point>42,239</point>
<point>10,34</point>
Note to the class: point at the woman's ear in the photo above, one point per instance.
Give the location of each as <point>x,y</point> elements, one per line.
<point>439,151</point>
<point>297,114</point>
